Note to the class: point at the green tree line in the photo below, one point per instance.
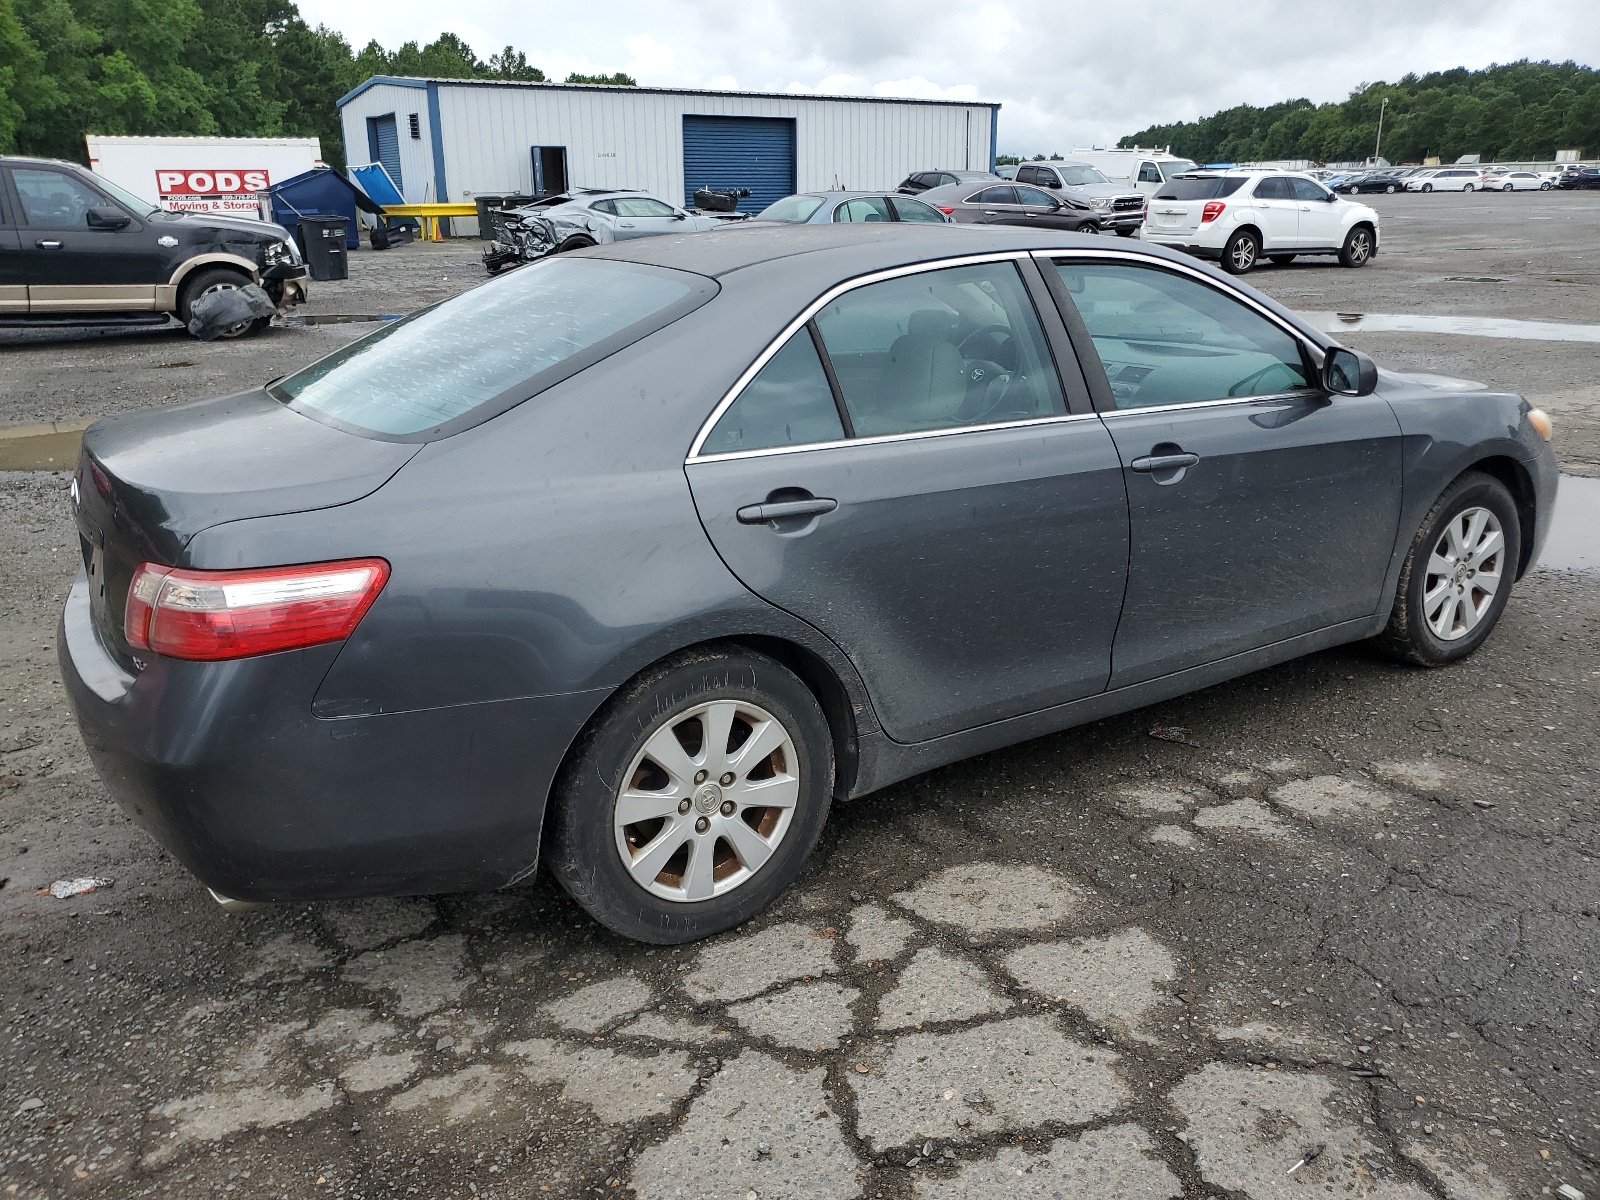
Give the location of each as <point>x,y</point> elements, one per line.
<point>233,68</point>
<point>1512,112</point>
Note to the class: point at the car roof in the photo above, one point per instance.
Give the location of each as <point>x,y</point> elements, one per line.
<point>841,251</point>
<point>26,160</point>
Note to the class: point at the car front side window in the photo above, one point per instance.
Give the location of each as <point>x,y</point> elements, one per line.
<point>642,206</point>
<point>1164,338</point>
<point>1148,173</point>
<point>1034,198</point>
<point>1304,189</point>
<point>940,349</point>
<point>54,199</point>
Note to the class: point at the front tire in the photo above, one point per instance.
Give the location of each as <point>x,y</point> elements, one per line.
<point>1457,575</point>
<point>1357,248</point>
<point>1427,187</point>
<point>218,279</point>
<point>664,827</point>
<point>1241,253</point>
<point>1127,232</point>
<point>1282,260</point>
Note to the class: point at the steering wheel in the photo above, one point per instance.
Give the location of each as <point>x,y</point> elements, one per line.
<point>994,344</point>
<point>1246,386</point>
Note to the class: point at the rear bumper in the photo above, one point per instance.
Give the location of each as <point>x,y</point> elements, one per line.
<point>1211,252</point>
<point>226,767</point>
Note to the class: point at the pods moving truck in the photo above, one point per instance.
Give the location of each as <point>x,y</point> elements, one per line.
<point>201,174</point>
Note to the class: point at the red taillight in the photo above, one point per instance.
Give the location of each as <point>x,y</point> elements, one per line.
<point>210,615</point>
<point>944,210</point>
<point>1211,211</point>
<point>1145,216</point>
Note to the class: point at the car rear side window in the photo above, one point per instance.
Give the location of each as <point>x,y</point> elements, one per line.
<point>788,403</point>
<point>455,364</point>
<point>916,210</point>
<point>939,349</point>
<point>863,208</point>
<point>1164,338</point>
<point>995,195</point>
<point>1205,187</point>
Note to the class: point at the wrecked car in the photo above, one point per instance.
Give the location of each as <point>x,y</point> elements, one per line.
<point>590,217</point>
<point>76,248</point>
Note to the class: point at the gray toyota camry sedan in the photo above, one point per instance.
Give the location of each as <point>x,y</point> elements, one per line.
<point>637,558</point>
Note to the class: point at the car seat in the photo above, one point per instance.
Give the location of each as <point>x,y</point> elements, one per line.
<point>924,382</point>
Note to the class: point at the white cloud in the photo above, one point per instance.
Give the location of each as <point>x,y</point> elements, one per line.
<point>1067,75</point>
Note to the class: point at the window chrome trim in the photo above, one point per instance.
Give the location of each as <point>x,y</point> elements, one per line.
<point>879,439</point>
<point>1299,335</point>
<point>811,310</point>
<point>1184,406</point>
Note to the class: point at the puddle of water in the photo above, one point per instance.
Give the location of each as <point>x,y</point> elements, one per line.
<point>1574,541</point>
<point>1491,327</point>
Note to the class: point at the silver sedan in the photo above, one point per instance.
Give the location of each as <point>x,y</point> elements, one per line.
<point>821,208</point>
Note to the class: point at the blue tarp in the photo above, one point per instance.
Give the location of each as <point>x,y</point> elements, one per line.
<point>375,182</point>
<point>322,192</point>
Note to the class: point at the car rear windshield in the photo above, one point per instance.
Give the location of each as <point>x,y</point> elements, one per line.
<point>791,208</point>
<point>1202,187</point>
<point>461,362</point>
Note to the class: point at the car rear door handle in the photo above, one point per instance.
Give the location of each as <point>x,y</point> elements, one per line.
<point>48,245</point>
<point>1163,462</point>
<point>759,514</point>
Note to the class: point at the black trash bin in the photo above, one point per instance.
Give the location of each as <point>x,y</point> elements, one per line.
<point>322,240</point>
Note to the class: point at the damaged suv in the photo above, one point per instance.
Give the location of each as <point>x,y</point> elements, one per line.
<point>76,248</point>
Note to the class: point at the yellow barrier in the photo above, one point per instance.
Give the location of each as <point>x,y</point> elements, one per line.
<point>429,215</point>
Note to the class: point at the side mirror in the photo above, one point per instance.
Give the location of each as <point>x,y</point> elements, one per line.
<point>1349,373</point>
<point>1332,196</point>
<point>680,216</point>
<point>107,217</point>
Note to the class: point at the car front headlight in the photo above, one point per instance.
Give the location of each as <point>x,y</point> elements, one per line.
<point>279,253</point>
<point>1099,202</point>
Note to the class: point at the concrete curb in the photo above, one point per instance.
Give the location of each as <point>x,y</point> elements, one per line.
<point>51,446</point>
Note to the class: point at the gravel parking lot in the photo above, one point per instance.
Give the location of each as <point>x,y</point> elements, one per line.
<point>1333,928</point>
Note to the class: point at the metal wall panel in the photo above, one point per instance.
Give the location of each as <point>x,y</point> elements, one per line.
<point>620,137</point>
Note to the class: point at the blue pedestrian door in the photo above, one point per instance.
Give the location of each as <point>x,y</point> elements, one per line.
<point>383,143</point>
<point>740,152</point>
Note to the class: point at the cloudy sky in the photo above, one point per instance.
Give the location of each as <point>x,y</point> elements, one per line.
<point>1067,74</point>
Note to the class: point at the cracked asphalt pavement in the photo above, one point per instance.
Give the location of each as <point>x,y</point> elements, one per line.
<point>1335,931</point>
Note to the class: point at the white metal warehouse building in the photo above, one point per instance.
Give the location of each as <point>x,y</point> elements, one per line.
<point>453,139</point>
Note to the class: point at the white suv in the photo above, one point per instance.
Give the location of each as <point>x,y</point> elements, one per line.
<point>1238,217</point>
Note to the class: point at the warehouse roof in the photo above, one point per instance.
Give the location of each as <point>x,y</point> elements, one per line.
<point>423,81</point>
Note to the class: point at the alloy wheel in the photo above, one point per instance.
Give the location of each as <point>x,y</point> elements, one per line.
<point>1360,246</point>
<point>707,800</point>
<point>1243,254</point>
<point>1465,573</point>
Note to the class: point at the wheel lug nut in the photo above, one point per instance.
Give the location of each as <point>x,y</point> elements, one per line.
<point>700,776</point>
<point>683,806</point>
<point>727,808</point>
<point>726,779</point>
<point>703,824</point>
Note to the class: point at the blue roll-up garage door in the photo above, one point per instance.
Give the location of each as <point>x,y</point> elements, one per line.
<point>739,152</point>
<point>383,142</point>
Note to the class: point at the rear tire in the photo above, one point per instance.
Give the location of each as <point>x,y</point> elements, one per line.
<point>1430,624</point>
<point>645,738</point>
<point>1357,248</point>
<point>216,279</point>
<point>1467,188</point>
<point>1389,191</point>
<point>1241,253</point>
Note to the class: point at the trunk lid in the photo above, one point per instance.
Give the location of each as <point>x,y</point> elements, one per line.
<point>1174,216</point>
<point>146,483</point>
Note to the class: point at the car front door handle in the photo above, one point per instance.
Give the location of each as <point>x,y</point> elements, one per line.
<point>1163,462</point>
<point>760,514</point>
<point>48,245</point>
<point>626,224</point>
